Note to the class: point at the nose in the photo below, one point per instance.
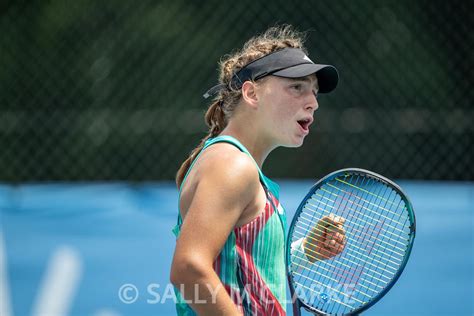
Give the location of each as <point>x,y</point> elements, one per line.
<point>312,103</point>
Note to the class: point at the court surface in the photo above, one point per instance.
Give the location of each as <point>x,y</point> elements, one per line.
<point>71,248</point>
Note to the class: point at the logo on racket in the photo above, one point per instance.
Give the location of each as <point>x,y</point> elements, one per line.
<point>324,297</point>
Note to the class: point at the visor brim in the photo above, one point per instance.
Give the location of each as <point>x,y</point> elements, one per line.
<point>327,75</point>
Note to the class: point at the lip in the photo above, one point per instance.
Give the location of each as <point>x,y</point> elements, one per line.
<point>302,130</point>
<point>305,129</point>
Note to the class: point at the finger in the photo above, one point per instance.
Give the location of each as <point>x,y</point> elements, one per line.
<point>336,229</point>
<point>333,221</point>
<point>334,235</point>
<point>339,221</point>
<point>339,237</point>
<point>340,248</point>
<point>327,223</point>
<point>327,243</point>
<point>333,248</point>
<point>326,220</point>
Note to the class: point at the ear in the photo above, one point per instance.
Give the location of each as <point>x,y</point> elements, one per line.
<point>249,93</point>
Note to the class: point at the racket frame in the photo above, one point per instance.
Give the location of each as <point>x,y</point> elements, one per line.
<point>297,303</point>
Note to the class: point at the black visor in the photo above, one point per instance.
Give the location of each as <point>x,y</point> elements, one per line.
<point>287,63</point>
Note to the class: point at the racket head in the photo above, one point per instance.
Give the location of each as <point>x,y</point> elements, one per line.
<point>387,232</point>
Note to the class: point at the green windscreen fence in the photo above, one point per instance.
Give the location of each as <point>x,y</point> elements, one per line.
<point>112,90</point>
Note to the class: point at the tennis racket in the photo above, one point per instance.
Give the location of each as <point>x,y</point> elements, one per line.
<point>379,231</point>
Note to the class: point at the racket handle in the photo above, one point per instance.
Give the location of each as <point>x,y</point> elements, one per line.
<point>296,309</point>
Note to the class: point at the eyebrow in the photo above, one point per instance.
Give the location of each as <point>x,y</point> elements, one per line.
<point>306,79</point>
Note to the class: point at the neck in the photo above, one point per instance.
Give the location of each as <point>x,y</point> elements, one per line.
<point>258,147</point>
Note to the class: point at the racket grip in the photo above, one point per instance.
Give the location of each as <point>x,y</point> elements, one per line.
<point>296,309</point>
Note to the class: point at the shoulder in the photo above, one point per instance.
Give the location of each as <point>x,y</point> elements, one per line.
<point>228,171</point>
<point>227,163</point>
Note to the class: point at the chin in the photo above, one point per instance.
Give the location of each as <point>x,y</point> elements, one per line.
<point>294,143</point>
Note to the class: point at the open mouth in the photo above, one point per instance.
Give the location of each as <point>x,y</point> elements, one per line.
<point>305,123</point>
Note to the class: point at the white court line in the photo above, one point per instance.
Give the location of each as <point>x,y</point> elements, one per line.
<point>5,308</point>
<point>59,284</point>
<point>105,312</point>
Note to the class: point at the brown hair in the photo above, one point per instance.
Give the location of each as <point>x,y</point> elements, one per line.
<point>223,105</point>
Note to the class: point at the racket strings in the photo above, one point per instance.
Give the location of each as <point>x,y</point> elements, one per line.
<point>351,209</point>
<point>335,280</point>
<point>356,224</point>
<point>346,265</point>
<point>326,269</point>
<point>381,195</point>
<point>370,218</point>
<point>381,273</point>
<point>354,229</point>
<point>372,265</point>
<point>354,217</point>
<point>302,235</point>
<point>314,292</point>
<point>365,191</point>
<point>370,203</point>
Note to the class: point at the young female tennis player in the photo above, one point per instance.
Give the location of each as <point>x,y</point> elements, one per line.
<point>230,250</point>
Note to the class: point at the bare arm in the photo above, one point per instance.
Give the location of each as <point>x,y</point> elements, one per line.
<point>219,200</point>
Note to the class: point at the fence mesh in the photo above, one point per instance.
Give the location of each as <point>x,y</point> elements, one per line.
<point>111,90</point>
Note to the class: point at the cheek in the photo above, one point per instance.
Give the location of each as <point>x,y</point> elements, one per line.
<point>283,126</point>
<point>281,111</point>
<point>279,117</point>
<point>281,107</point>
<point>286,114</point>
<point>286,118</point>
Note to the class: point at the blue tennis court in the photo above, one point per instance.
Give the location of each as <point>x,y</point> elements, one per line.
<point>105,249</point>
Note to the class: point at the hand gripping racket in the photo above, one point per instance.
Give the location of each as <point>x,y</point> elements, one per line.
<point>379,233</point>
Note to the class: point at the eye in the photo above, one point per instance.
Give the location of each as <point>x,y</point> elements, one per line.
<point>297,87</point>
<point>315,92</point>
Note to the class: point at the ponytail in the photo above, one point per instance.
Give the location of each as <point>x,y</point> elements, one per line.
<point>215,119</point>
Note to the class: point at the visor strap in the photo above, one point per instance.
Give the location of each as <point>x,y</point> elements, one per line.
<point>214,90</point>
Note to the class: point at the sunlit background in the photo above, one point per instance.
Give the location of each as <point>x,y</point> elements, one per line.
<point>101,101</point>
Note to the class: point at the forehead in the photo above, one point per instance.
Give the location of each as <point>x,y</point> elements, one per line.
<point>311,79</point>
